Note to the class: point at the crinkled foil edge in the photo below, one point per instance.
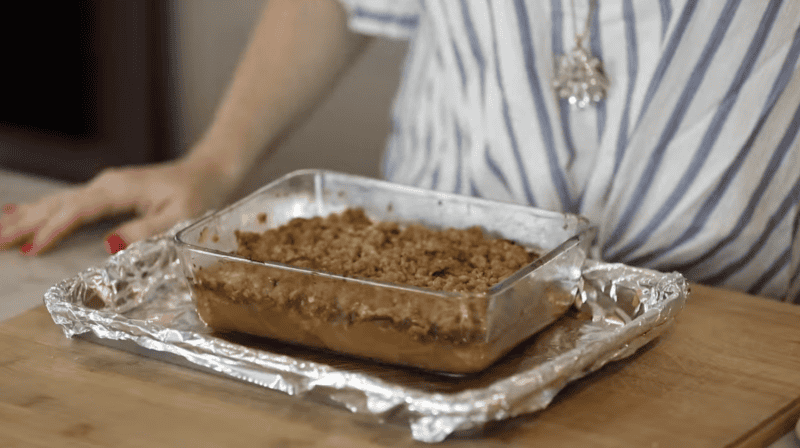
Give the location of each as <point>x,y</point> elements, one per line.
<point>146,300</point>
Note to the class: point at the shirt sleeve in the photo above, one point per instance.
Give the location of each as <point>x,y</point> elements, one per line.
<point>395,19</point>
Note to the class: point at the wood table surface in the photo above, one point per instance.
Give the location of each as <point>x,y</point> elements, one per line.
<point>726,374</point>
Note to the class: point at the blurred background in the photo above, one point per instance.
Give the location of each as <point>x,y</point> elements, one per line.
<point>97,83</point>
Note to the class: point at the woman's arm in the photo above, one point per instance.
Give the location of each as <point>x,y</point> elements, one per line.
<point>297,51</point>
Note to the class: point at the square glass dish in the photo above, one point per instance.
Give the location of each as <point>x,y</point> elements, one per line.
<point>441,331</point>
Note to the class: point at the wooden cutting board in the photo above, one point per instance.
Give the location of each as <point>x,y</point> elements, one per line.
<point>727,374</point>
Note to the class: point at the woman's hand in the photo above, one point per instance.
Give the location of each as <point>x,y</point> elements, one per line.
<point>158,195</point>
<point>297,51</point>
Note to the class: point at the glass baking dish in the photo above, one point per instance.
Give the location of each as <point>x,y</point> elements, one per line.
<point>433,330</point>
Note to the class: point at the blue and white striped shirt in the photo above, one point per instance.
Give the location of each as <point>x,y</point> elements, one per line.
<point>692,163</point>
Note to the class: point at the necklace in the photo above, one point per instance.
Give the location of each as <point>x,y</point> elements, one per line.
<point>580,77</point>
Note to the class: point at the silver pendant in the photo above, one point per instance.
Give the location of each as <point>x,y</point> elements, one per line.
<point>580,77</point>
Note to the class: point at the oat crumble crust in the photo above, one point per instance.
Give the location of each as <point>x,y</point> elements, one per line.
<point>351,245</point>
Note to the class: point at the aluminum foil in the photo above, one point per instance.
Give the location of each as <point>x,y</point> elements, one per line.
<point>139,300</point>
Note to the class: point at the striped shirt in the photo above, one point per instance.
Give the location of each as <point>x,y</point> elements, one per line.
<point>691,163</point>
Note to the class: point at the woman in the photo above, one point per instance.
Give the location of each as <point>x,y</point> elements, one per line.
<point>685,149</point>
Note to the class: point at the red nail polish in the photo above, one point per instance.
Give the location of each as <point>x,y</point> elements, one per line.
<point>9,208</point>
<point>25,248</point>
<point>115,243</point>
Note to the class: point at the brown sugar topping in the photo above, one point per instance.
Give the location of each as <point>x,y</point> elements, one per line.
<point>350,244</point>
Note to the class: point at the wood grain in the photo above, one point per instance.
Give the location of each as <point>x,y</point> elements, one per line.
<point>727,374</point>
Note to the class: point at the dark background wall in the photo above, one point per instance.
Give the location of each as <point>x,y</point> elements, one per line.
<point>100,83</point>
<point>83,86</point>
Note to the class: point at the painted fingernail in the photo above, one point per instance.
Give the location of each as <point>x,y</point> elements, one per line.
<point>25,248</point>
<point>115,243</point>
<point>9,208</point>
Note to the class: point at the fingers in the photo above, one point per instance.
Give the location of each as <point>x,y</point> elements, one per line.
<point>161,195</point>
<point>57,217</point>
<point>9,234</point>
<point>51,231</point>
<point>141,228</point>
<point>115,243</point>
<point>21,222</point>
<point>5,220</point>
<point>40,225</point>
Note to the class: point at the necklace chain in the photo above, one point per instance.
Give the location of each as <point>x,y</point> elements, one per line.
<point>579,38</point>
